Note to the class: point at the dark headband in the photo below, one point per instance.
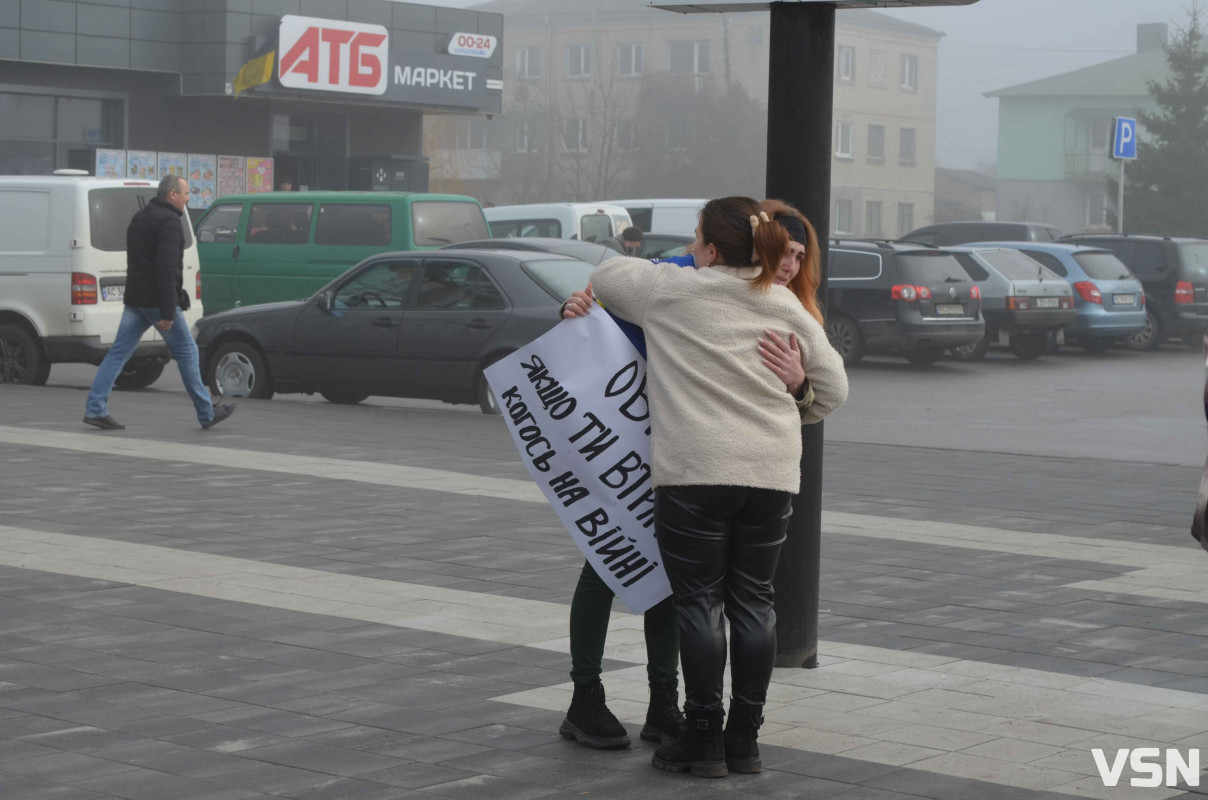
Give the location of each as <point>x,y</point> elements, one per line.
<point>795,228</point>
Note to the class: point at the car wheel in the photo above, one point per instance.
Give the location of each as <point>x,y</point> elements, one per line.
<point>1028,346</point>
<point>140,374</point>
<point>972,352</point>
<point>1096,346</point>
<point>343,398</point>
<point>1149,337</point>
<point>925,357</point>
<point>238,370</point>
<point>486,398</point>
<point>21,359</point>
<point>844,335</point>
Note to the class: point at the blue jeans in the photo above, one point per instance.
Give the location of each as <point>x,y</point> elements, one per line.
<point>135,322</point>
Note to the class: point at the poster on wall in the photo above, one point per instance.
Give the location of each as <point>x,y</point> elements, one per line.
<point>142,164</point>
<point>172,164</point>
<point>259,175</point>
<point>231,178</point>
<point>203,172</point>
<point>110,163</point>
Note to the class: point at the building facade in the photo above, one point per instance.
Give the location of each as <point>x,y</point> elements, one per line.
<point>1055,136</point>
<point>606,99</point>
<point>342,103</point>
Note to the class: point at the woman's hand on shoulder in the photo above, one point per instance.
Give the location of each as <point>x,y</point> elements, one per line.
<point>578,304</point>
<point>784,359</point>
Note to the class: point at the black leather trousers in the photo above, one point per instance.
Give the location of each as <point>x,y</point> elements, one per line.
<point>720,545</point>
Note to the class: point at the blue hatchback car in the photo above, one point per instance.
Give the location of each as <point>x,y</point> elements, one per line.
<point>1109,299</point>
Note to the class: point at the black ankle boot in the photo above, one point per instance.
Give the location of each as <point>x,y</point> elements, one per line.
<point>664,720</point>
<point>701,749</point>
<point>742,732</point>
<point>590,723</point>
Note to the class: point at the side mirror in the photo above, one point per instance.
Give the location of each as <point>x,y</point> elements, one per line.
<point>326,301</point>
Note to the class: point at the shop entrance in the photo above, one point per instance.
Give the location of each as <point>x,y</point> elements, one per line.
<point>310,150</point>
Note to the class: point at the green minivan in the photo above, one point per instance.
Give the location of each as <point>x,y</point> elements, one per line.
<point>260,248</point>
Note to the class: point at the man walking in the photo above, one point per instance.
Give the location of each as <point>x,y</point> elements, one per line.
<point>155,246</point>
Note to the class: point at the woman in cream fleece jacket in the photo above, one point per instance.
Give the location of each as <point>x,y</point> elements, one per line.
<point>725,456</point>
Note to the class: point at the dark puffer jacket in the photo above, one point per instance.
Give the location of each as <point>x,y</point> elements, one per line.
<point>155,247</point>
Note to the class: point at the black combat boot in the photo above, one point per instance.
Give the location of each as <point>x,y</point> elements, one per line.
<point>700,750</point>
<point>742,731</point>
<point>664,720</point>
<point>590,723</point>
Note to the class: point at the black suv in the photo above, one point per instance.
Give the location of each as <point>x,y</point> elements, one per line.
<point>946,234</point>
<point>1174,272</point>
<point>897,297</point>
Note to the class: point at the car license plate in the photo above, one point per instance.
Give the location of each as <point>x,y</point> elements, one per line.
<point>1124,299</point>
<point>1048,302</point>
<point>113,292</point>
<point>950,310</point>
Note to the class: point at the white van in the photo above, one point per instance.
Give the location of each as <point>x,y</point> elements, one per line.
<point>674,216</point>
<point>586,222</point>
<point>63,273</point>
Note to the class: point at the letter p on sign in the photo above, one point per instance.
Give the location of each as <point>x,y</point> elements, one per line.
<point>1125,147</point>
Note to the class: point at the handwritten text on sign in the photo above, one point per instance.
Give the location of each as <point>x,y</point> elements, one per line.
<point>575,403</point>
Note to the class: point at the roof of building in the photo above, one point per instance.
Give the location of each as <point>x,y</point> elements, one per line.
<point>561,12</point>
<point>977,180</point>
<point>1123,77</point>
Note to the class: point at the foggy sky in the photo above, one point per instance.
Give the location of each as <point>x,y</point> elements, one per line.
<point>1000,43</point>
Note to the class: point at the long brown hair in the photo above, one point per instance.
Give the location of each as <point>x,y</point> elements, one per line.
<point>805,283</point>
<point>743,238</point>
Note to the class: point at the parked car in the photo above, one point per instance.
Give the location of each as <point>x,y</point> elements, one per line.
<point>676,215</point>
<point>406,324</point>
<point>1108,298</point>
<point>945,234</point>
<point>590,252</point>
<point>585,222</point>
<point>890,297</point>
<point>260,248</point>
<point>1025,304</point>
<point>1174,272</point>
<point>63,275</point>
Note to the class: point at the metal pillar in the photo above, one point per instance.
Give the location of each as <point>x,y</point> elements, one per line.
<point>800,96</point>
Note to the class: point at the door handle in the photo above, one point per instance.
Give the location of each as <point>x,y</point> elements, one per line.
<point>478,325</point>
<point>384,322</point>
<point>235,252</point>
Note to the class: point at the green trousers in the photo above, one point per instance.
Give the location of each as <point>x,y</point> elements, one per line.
<point>589,612</point>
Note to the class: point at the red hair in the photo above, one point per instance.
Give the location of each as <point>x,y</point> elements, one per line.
<point>805,283</point>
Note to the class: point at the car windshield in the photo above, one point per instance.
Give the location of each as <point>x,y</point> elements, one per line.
<point>1018,267</point>
<point>1103,266</point>
<point>1195,261</point>
<point>930,268</point>
<point>441,222</point>
<point>559,277</point>
<point>110,212</point>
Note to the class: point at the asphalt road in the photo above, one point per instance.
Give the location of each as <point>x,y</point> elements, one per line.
<point>1120,405</point>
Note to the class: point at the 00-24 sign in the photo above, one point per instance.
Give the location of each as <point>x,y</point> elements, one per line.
<point>475,45</point>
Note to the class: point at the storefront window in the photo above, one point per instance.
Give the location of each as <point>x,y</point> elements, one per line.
<point>27,116</point>
<point>40,133</point>
<point>26,158</point>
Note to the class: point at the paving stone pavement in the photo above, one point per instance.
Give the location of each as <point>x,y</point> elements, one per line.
<point>360,603</point>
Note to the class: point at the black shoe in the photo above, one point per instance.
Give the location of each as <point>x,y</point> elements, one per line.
<point>590,723</point>
<point>664,720</point>
<point>742,733</point>
<point>220,413</point>
<point>105,423</point>
<point>701,750</point>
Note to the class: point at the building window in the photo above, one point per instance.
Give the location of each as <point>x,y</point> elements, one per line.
<point>524,142</point>
<point>1096,209</point>
<point>471,134</point>
<point>872,218</point>
<point>625,134</point>
<point>1101,130</point>
<point>40,133</point>
<point>847,64</point>
<point>878,61</point>
<point>688,58</point>
<point>575,135</point>
<point>842,216</point>
<point>843,139</point>
<point>528,62</point>
<point>578,61</point>
<point>629,59</point>
<point>679,133</point>
<point>876,142</point>
<point>910,73</point>
<point>905,218</point>
<point>906,145</point>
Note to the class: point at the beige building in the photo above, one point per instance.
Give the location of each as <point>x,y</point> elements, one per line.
<point>640,102</point>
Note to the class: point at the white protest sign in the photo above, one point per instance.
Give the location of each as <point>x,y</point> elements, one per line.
<point>575,403</point>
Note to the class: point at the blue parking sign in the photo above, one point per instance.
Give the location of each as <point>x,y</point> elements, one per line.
<point>1125,145</point>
